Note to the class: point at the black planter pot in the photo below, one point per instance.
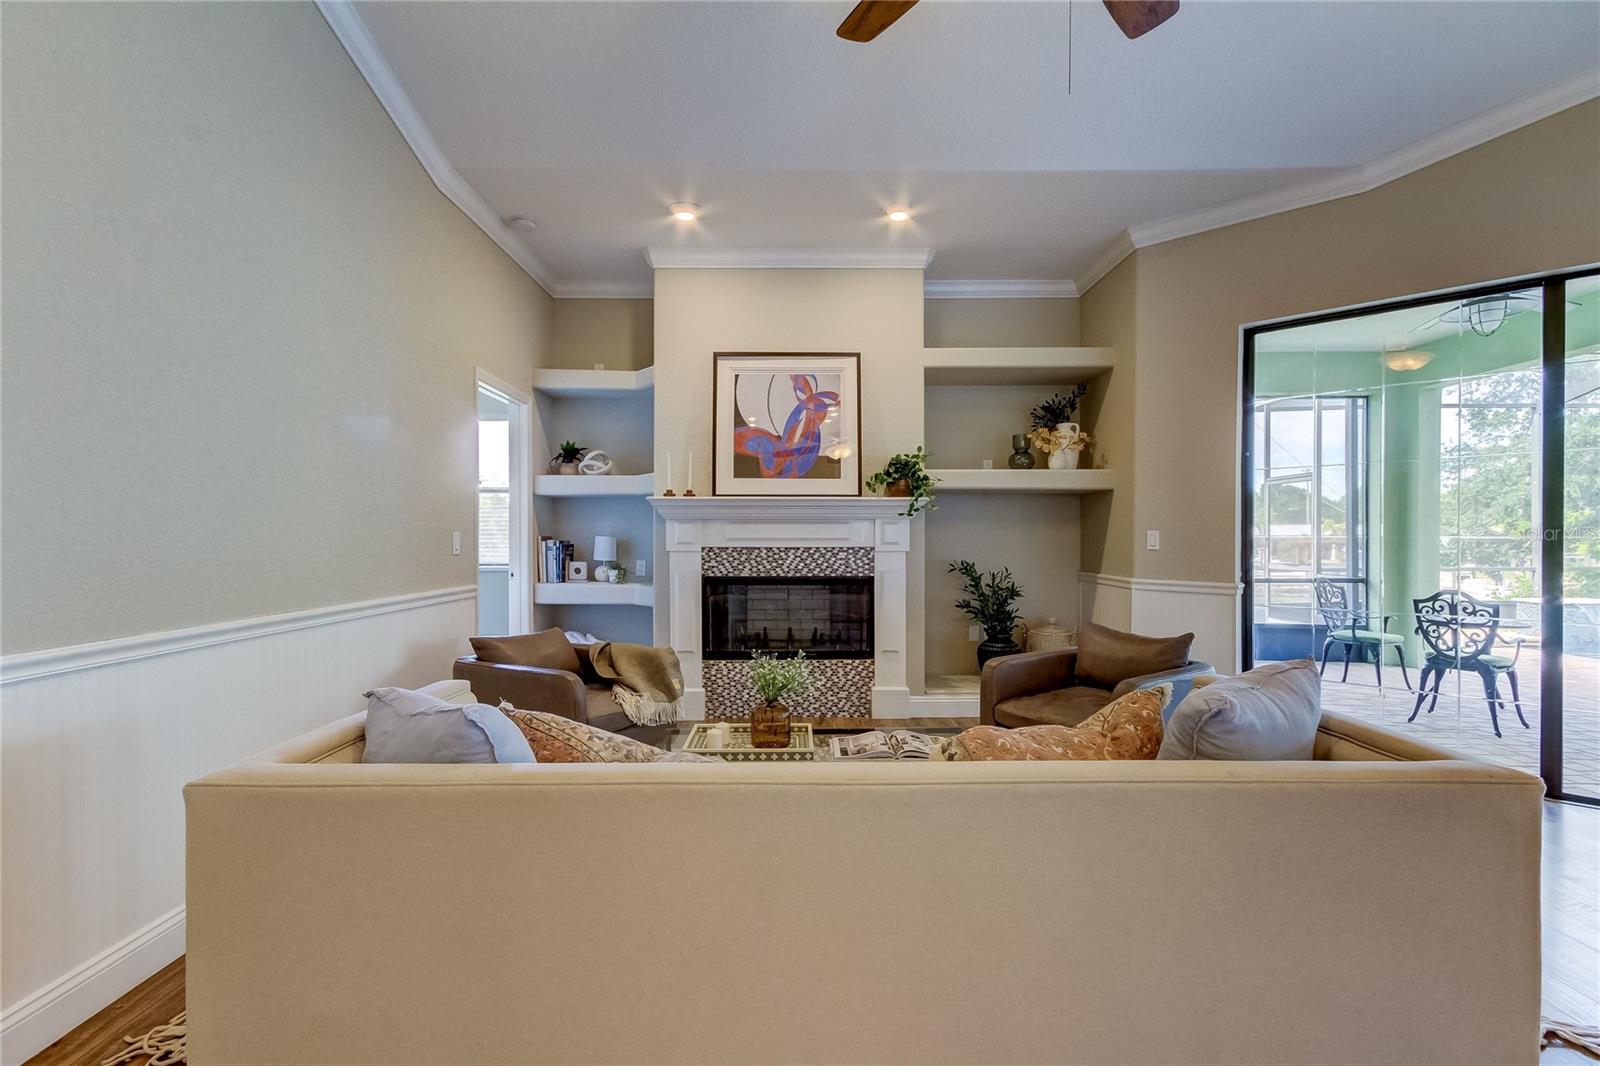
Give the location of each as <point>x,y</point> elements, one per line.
<point>992,647</point>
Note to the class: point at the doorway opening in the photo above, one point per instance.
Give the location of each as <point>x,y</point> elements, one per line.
<point>503,520</point>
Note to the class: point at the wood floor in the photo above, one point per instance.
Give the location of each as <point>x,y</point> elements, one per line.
<point>1571,913</point>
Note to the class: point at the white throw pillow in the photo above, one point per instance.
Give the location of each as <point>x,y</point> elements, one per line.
<point>1269,713</point>
<point>404,726</point>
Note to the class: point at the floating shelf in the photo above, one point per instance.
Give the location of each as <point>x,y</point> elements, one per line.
<point>593,383</point>
<point>596,485</point>
<point>1014,366</point>
<point>1008,480</point>
<point>594,592</point>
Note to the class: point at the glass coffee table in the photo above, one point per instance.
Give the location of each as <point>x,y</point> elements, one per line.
<point>681,736</point>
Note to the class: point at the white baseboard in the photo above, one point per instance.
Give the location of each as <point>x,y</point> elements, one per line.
<point>35,1023</point>
<point>944,706</point>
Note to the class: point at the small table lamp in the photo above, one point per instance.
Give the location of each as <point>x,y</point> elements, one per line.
<point>605,551</point>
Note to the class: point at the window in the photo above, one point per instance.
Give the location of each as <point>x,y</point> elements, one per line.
<point>1310,502</point>
<point>494,493</point>
<point>1488,430</point>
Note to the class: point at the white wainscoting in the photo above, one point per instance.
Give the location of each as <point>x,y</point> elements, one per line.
<point>98,741</point>
<point>1208,609</point>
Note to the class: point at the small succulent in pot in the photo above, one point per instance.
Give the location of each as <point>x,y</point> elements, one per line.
<point>1058,408</point>
<point>906,476</point>
<point>991,602</point>
<point>565,461</point>
<point>775,679</point>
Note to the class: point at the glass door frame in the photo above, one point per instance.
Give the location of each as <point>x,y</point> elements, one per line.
<point>1551,488</point>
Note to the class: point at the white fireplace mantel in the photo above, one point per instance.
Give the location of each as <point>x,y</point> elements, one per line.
<point>697,522</point>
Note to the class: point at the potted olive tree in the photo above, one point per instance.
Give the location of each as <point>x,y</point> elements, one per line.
<point>906,476</point>
<point>991,602</point>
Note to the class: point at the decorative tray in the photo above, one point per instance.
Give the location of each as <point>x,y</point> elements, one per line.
<point>703,741</point>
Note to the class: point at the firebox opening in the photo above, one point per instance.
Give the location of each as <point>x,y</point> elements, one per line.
<point>825,617</point>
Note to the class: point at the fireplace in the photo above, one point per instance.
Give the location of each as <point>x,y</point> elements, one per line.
<point>825,617</point>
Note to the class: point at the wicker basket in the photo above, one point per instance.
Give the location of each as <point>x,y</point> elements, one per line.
<point>1051,637</point>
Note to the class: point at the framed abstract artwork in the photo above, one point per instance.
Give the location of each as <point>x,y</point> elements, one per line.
<point>787,424</point>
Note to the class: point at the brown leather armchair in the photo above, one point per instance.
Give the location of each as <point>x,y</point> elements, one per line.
<point>1042,688</point>
<point>583,696</point>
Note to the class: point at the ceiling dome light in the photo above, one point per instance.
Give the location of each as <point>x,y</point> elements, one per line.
<point>1407,359</point>
<point>522,222</point>
<point>899,214</point>
<point>684,211</point>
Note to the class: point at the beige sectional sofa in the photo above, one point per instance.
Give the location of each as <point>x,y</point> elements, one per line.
<point>1377,904</point>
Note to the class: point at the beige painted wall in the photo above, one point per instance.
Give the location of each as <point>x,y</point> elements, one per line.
<point>1000,323</point>
<point>240,326</point>
<point>618,333</point>
<point>1524,203</point>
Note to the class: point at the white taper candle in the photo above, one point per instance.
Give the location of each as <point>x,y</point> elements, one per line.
<point>669,471</point>
<point>689,484</point>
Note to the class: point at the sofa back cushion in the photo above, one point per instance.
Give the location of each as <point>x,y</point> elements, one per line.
<point>549,649</point>
<point>1108,657</point>
<point>404,726</point>
<point>1269,713</point>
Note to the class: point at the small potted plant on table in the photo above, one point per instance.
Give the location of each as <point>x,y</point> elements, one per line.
<point>774,679</point>
<point>906,476</point>
<point>990,601</point>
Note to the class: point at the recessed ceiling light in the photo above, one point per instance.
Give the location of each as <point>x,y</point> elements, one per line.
<point>898,214</point>
<point>684,211</point>
<point>522,222</point>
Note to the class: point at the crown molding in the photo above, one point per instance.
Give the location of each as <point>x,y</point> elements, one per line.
<point>604,290</point>
<point>1434,148</point>
<point>789,258</point>
<point>352,33</point>
<point>1015,289</point>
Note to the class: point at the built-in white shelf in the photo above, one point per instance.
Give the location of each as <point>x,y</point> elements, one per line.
<point>594,592</point>
<point>1014,366</point>
<point>593,383</point>
<point>594,485</point>
<point>1037,480</point>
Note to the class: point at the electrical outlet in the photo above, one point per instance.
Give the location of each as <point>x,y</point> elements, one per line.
<point>455,543</point>
<point>599,366</point>
<point>1152,540</point>
<point>639,569</point>
<point>975,633</point>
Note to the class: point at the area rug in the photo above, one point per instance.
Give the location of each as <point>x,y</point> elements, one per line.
<point>165,1045</point>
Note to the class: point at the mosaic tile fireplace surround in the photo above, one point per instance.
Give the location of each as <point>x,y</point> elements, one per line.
<point>825,575</point>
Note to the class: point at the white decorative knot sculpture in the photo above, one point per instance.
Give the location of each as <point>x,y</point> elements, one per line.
<point>596,462</point>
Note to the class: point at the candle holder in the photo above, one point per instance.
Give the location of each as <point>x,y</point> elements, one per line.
<point>688,492</point>
<point>669,492</point>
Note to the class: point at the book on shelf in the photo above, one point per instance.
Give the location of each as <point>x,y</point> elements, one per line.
<point>900,744</point>
<point>553,558</point>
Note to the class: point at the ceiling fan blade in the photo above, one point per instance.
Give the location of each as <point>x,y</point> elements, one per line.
<point>871,17</point>
<point>1138,17</point>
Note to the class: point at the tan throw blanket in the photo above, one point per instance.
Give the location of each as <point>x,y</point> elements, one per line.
<point>646,681</point>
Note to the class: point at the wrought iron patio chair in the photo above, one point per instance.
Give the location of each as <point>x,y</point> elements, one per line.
<point>1460,633</point>
<point>1354,629</point>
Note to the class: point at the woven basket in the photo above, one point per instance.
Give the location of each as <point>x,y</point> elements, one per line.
<point>1051,637</point>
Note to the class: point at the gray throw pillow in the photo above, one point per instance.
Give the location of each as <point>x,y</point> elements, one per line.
<point>1269,713</point>
<point>414,727</point>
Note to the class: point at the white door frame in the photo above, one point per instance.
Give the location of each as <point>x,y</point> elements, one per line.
<point>520,505</point>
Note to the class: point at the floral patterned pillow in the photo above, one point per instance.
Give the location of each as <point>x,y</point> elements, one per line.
<point>1126,728</point>
<point>558,739</point>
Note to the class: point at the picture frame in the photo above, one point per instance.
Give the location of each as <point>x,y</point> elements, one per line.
<point>786,424</point>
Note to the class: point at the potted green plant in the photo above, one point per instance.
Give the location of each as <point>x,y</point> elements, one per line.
<point>775,679</point>
<point>906,475</point>
<point>565,461</point>
<point>991,602</point>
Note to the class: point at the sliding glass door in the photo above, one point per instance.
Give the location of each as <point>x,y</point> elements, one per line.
<point>1398,463</point>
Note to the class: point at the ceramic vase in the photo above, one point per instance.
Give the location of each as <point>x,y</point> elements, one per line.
<point>1021,457</point>
<point>993,646</point>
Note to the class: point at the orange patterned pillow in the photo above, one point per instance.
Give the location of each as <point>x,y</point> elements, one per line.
<point>1126,728</point>
<point>557,739</point>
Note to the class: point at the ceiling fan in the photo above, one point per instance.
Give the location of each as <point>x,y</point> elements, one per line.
<point>1134,17</point>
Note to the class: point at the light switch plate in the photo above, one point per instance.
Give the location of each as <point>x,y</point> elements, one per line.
<point>1152,540</point>
<point>974,633</point>
<point>639,569</point>
<point>455,543</point>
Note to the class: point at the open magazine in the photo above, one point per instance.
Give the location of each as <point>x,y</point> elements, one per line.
<point>901,744</point>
